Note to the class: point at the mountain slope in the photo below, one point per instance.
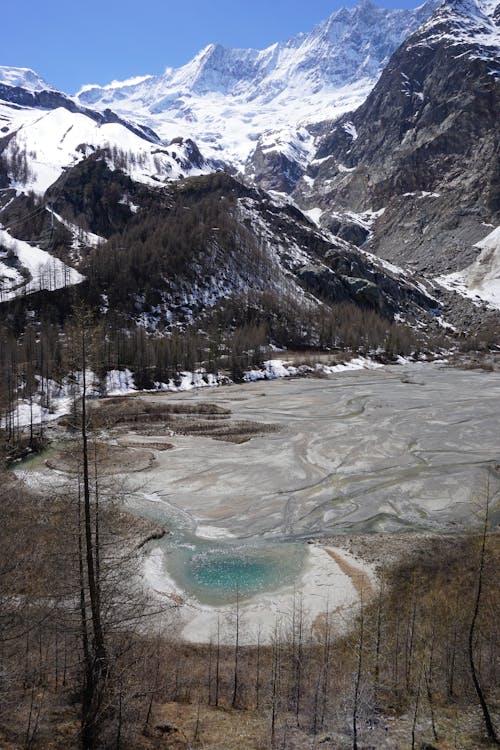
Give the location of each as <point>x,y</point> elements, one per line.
<point>169,255</point>
<point>423,150</point>
<point>26,269</point>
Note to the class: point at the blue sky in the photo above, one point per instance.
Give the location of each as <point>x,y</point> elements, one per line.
<point>72,43</point>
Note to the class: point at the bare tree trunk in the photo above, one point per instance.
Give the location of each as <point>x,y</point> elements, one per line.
<point>415,713</point>
<point>298,662</point>
<point>234,702</point>
<point>490,729</point>
<point>275,682</point>
<point>217,663</point>
<point>357,683</point>
<point>154,689</point>
<point>97,543</point>
<point>119,719</point>
<point>326,666</point>
<point>97,658</point>
<point>453,656</point>
<point>87,658</point>
<point>257,672</point>
<point>98,636</point>
<point>410,639</point>
<point>377,647</point>
<point>429,681</point>
<point>209,678</point>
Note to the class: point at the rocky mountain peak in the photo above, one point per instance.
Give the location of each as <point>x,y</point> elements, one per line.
<point>474,23</point>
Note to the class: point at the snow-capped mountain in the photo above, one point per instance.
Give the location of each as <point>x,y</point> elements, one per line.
<point>422,151</point>
<point>44,131</point>
<point>465,23</point>
<point>234,104</point>
<point>226,99</point>
<point>389,175</point>
<point>44,134</point>
<point>41,144</point>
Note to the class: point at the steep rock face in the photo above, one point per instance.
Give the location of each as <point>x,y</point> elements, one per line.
<point>425,145</point>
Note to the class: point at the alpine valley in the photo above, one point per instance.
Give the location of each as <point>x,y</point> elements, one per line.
<point>357,163</point>
<point>306,558</point>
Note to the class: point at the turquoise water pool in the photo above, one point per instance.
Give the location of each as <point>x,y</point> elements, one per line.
<point>217,573</point>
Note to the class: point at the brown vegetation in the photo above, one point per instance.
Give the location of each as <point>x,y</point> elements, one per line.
<point>406,673</point>
<point>163,416</point>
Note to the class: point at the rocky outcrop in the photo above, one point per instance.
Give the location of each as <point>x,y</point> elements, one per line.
<point>274,170</point>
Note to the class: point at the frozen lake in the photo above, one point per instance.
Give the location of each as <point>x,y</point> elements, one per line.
<point>385,450</point>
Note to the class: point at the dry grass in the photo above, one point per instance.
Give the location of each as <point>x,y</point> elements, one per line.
<point>110,459</point>
<point>153,418</point>
<point>110,412</point>
<point>210,728</point>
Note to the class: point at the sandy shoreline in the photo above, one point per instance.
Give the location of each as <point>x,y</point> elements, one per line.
<point>330,582</point>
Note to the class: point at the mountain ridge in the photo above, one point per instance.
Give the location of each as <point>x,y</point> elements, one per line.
<point>384,174</point>
<point>426,149</point>
<point>237,95</point>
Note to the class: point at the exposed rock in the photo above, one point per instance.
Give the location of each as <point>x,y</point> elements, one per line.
<point>346,229</point>
<point>424,146</point>
<point>273,170</point>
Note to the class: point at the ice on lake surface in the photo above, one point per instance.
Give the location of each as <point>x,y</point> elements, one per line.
<point>394,449</point>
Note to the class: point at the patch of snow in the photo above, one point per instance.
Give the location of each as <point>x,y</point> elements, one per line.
<point>314,214</point>
<point>119,382</point>
<point>357,363</point>
<point>212,532</point>
<point>480,281</point>
<point>422,194</point>
<point>81,237</point>
<point>343,168</point>
<point>350,129</point>
<point>34,269</point>
<point>278,368</point>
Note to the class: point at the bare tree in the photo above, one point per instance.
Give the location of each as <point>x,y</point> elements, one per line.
<point>490,729</point>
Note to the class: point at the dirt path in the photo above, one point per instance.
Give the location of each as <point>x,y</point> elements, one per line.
<point>360,579</point>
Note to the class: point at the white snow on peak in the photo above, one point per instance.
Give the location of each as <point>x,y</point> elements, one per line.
<point>113,85</point>
<point>471,23</point>
<point>227,99</point>
<point>297,145</point>
<point>57,139</point>
<point>25,78</point>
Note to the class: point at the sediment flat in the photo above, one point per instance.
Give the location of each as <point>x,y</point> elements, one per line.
<point>401,448</point>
